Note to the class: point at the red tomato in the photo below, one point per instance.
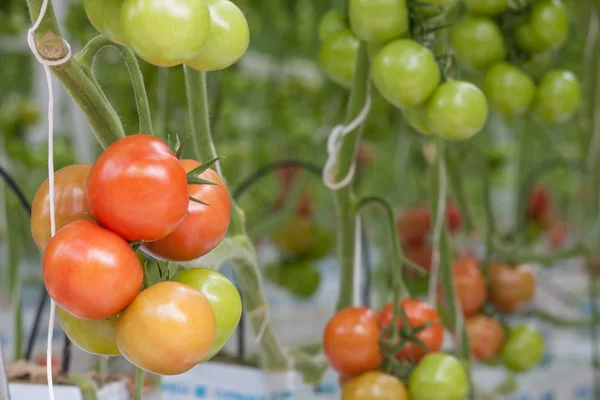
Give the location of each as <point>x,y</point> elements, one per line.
<point>413,225</point>
<point>138,189</point>
<point>91,272</point>
<point>288,175</point>
<point>470,285</point>
<point>305,206</point>
<point>538,202</point>
<point>418,313</point>
<point>486,336</point>
<point>421,256</point>
<point>203,227</point>
<point>69,202</point>
<point>558,235</point>
<point>511,288</point>
<point>453,217</point>
<point>364,155</point>
<point>351,341</point>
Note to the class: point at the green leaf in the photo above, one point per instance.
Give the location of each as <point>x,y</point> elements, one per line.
<point>198,201</point>
<point>198,170</point>
<point>198,181</point>
<point>180,148</point>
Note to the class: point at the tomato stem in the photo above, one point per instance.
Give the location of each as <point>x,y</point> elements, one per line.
<point>139,384</point>
<point>458,185</point>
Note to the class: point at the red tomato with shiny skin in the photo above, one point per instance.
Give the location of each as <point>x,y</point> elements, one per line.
<point>418,313</point>
<point>511,288</point>
<point>203,227</point>
<point>421,256</point>
<point>486,336</point>
<point>91,272</point>
<point>138,189</point>
<point>538,202</point>
<point>470,285</point>
<point>351,341</point>
<point>414,225</point>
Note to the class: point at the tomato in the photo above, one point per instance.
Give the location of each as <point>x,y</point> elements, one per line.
<point>69,202</point>
<point>379,20</point>
<point>549,23</point>
<point>557,98</point>
<point>375,385</point>
<point>405,73</point>
<point>351,341</point>
<point>558,235</point>
<point>338,57</point>
<point>511,288</point>
<point>301,278</point>
<point>332,22</point>
<point>305,204</point>
<point>487,7</point>
<point>538,202</point>
<point>321,245</point>
<point>138,189</point>
<point>508,89</point>
<point>453,218</point>
<point>168,329</point>
<point>95,337</point>
<point>414,225</point>
<point>469,284</point>
<point>486,336</point>
<point>228,40</point>
<point>373,48</point>
<point>524,348</point>
<point>417,119</point>
<point>418,313</point>
<point>224,300</point>
<point>91,272</point>
<point>105,16</point>
<point>525,38</point>
<point>420,255</point>
<point>166,32</point>
<point>296,237</point>
<point>457,110</point>
<point>29,113</point>
<point>203,227</point>
<point>438,377</point>
<point>478,43</point>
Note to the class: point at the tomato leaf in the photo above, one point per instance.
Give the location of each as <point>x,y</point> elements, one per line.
<point>198,201</point>
<point>179,151</point>
<point>199,181</point>
<point>200,169</point>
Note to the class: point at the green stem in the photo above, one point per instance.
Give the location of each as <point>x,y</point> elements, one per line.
<point>456,181</point>
<point>512,256</point>
<point>14,280</point>
<point>526,144</point>
<point>139,384</point>
<point>594,328</point>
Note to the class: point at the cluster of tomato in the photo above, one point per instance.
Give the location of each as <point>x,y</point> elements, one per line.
<point>137,194</point>
<point>206,35</point>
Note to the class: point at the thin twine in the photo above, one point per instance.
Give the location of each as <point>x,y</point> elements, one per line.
<point>357,281</point>
<point>47,64</point>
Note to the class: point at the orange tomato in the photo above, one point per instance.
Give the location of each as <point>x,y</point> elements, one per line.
<point>486,337</point>
<point>511,288</point>
<point>375,385</point>
<point>470,285</point>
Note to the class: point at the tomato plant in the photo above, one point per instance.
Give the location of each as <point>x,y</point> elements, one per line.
<point>486,336</point>
<point>338,56</point>
<point>486,7</point>
<point>378,21</point>
<point>375,385</point>
<point>511,288</point>
<point>557,97</point>
<point>92,336</point>
<point>167,329</point>
<point>478,43</point>
<point>524,348</point>
<point>91,272</point>
<point>138,189</point>
<point>438,376</point>
<point>470,285</point>
<point>105,16</point>
<point>351,341</point>
<point>509,89</point>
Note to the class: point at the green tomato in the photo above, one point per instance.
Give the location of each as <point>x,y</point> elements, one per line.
<point>526,40</point>
<point>378,20</point>
<point>457,110</point>
<point>438,376</point>
<point>417,119</point>
<point>223,297</point>
<point>478,43</point>
<point>228,39</point>
<point>29,113</point>
<point>338,57</point>
<point>105,17</point>
<point>405,73</point>
<point>487,7</point>
<point>549,23</point>
<point>321,244</point>
<point>523,349</point>
<point>373,48</point>
<point>557,97</point>
<point>166,32</point>
<point>332,22</point>
<point>301,278</point>
<point>508,89</point>
<point>92,336</point>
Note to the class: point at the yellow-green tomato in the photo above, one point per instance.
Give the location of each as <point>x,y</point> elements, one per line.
<point>228,39</point>
<point>166,32</point>
<point>509,89</point>
<point>378,20</point>
<point>332,22</point>
<point>373,48</point>
<point>457,110</point>
<point>526,40</point>
<point>557,97</point>
<point>478,42</point>
<point>549,22</point>
<point>223,297</point>
<point>438,376</point>
<point>523,349</point>
<point>105,16</point>
<point>338,57</point>
<point>405,73</point>
<point>486,7</point>
<point>92,336</point>
<point>417,119</point>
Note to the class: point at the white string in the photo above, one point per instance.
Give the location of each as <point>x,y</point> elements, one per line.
<point>47,64</point>
<point>357,281</point>
<point>334,145</point>
<point>263,327</point>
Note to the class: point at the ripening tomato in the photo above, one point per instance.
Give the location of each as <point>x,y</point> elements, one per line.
<point>557,98</point>
<point>92,336</point>
<point>457,110</point>
<point>332,22</point>
<point>203,227</point>
<point>509,89</point>
<point>375,385</point>
<point>379,20</point>
<point>486,336</point>
<point>69,202</point>
<point>418,313</point>
<point>138,189</point>
<point>549,23</point>
<point>469,284</point>
<point>438,377</point>
<point>486,7</point>
<point>417,119</point>
<point>405,73</point>
<point>524,348</point>
<point>478,43</point>
<point>105,16</point>
<point>420,255</point>
<point>351,341</point>
<point>91,272</point>
<point>168,329</point>
<point>511,288</point>
<point>338,57</point>
<point>166,32</point>
<point>414,225</point>
<point>296,237</point>
<point>224,300</point>
<point>228,40</point>
<point>538,202</point>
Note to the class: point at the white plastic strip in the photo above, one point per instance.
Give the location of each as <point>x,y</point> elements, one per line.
<point>358,265</point>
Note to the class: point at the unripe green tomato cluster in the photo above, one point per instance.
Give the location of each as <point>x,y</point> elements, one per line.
<point>205,34</point>
<point>509,89</point>
<point>546,27</point>
<point>478,43</point>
